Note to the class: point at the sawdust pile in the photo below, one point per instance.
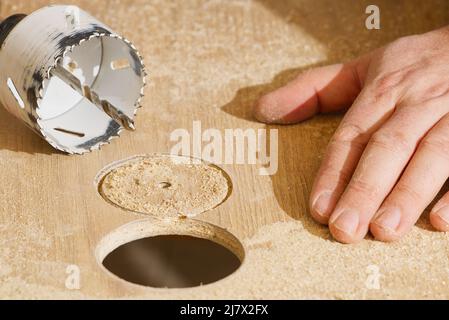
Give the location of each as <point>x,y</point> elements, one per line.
<point>317,267</point>
<point>288,260</point>
<point>256,46</point>
<point>160,186</point>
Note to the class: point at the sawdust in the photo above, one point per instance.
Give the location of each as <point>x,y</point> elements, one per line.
<point>315,266</point>
<point>28,271</point>
<point>17,288</point>
<point>285,260</point>
<point>163,185</point>
<point>201,55</point>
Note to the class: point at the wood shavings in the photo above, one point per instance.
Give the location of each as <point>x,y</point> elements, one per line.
<point>162,185</point>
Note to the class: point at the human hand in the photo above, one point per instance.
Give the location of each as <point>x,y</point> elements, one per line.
<point>389,157</point>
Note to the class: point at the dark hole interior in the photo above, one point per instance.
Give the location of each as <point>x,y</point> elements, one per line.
<point>171,261</point>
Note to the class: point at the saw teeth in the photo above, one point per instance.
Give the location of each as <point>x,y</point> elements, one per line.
<point>75,129</point>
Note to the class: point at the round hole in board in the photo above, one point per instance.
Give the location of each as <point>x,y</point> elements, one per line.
<point>177,253</point>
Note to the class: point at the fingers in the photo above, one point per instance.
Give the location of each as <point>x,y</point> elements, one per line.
<point>324,89</point>
<point>418,186</point>
<point>379,168</point>
<point>439,216</point>
<point>345,149</point>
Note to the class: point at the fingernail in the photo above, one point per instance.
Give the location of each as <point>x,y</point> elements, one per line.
<point>322,203</point>
<point>347,221</point>
<point>389,218</point>
<point>443,213</point>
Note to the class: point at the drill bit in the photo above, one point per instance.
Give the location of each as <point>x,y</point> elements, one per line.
<point>113,112</point>
<point>58,50</point>
<point>8,24</point>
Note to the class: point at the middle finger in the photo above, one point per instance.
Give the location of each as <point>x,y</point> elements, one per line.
<point>380,166</point>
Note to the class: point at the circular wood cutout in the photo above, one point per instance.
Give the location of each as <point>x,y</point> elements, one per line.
<point>164,185</point>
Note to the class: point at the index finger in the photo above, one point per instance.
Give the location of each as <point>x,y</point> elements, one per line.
<point>324,89</point>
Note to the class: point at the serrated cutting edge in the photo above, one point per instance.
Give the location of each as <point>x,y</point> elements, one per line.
<point>44,41</point>
<point>137,104</point>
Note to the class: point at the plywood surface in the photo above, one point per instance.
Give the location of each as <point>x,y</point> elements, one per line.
<point>210,61</point>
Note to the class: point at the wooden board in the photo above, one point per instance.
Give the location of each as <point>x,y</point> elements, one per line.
<point>210,61</point>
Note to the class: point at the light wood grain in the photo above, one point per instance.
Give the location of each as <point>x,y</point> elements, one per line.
<point>208,61</point>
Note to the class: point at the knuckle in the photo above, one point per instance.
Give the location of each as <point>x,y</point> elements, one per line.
<point>340,176</point>
<point>394,141</point>
<point>438,90</point>
<point>436,144</point>
<point>368,190</point>
<point>386,85</point>
<point>407,191</point>
<point>350,134</point>
<point>386,81</point>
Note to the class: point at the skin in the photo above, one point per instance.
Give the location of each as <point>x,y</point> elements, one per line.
<point>389,157</point>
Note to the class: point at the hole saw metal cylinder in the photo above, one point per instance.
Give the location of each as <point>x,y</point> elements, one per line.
<point>69,77</point>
